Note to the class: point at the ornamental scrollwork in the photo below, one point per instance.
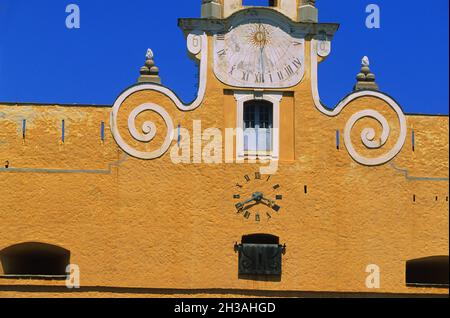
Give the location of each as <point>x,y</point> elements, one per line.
<point>197,44</point>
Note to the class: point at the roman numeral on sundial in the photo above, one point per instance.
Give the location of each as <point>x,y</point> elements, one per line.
<point>280,75</point>
<point>289,70</point>
<point>259,78</point>
<point>297,63</point>
<point>222,52</point>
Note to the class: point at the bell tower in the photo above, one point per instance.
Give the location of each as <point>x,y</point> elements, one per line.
<point>296,10</point>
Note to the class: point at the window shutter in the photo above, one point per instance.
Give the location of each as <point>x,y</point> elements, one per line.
<point>260,259</point>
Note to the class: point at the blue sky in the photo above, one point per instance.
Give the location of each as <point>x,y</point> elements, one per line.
<point>43,61</point>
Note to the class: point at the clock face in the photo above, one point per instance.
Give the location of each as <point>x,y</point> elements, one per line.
<point>260,55</point>
<point>257,198</point>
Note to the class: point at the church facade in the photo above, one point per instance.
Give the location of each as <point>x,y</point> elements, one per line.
<point>255,188</point>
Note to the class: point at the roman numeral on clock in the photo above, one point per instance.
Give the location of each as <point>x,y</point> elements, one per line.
<point>245,76</point>
<point>220,37</point>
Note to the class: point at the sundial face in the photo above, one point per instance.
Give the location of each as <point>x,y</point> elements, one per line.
<point>259,54</point>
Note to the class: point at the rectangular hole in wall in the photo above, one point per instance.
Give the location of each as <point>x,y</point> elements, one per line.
<point>413,140</point>
<point>306,189</point>
<point>24,128</point>
<point>102,131</point>
<point>63,131</point>
<point>338,139</point>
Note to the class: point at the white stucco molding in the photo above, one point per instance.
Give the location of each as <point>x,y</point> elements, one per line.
<point>197,44</point>
<point>368,134</point>
<point>245,96</point>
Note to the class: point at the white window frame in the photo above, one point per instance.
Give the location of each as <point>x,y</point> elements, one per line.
<point>241,98</point>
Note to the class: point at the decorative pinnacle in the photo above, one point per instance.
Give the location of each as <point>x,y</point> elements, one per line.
<point>365,78</point>
<point>149,72</point>
<point>365,61</point>
<point>149,54</point>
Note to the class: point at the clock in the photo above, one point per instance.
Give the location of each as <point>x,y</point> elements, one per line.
<point>259,54</point>
<point>257,198</point>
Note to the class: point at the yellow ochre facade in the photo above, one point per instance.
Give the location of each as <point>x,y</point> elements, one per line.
<point>145,199</point>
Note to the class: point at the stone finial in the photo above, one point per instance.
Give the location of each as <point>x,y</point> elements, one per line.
<point>149,72</point>
<point>365,61</point>
<point>365,78</point>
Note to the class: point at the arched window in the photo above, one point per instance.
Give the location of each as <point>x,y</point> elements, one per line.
<point>34,260</point>
<point>260,254</point>
<point>429,271</point>
<point>258,126</point>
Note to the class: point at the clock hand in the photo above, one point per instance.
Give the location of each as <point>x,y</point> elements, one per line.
<point>268,201</point>
<point>272,204</point>
<point>257,196</point>
<point>241,205</point>
<point>262,60</point>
